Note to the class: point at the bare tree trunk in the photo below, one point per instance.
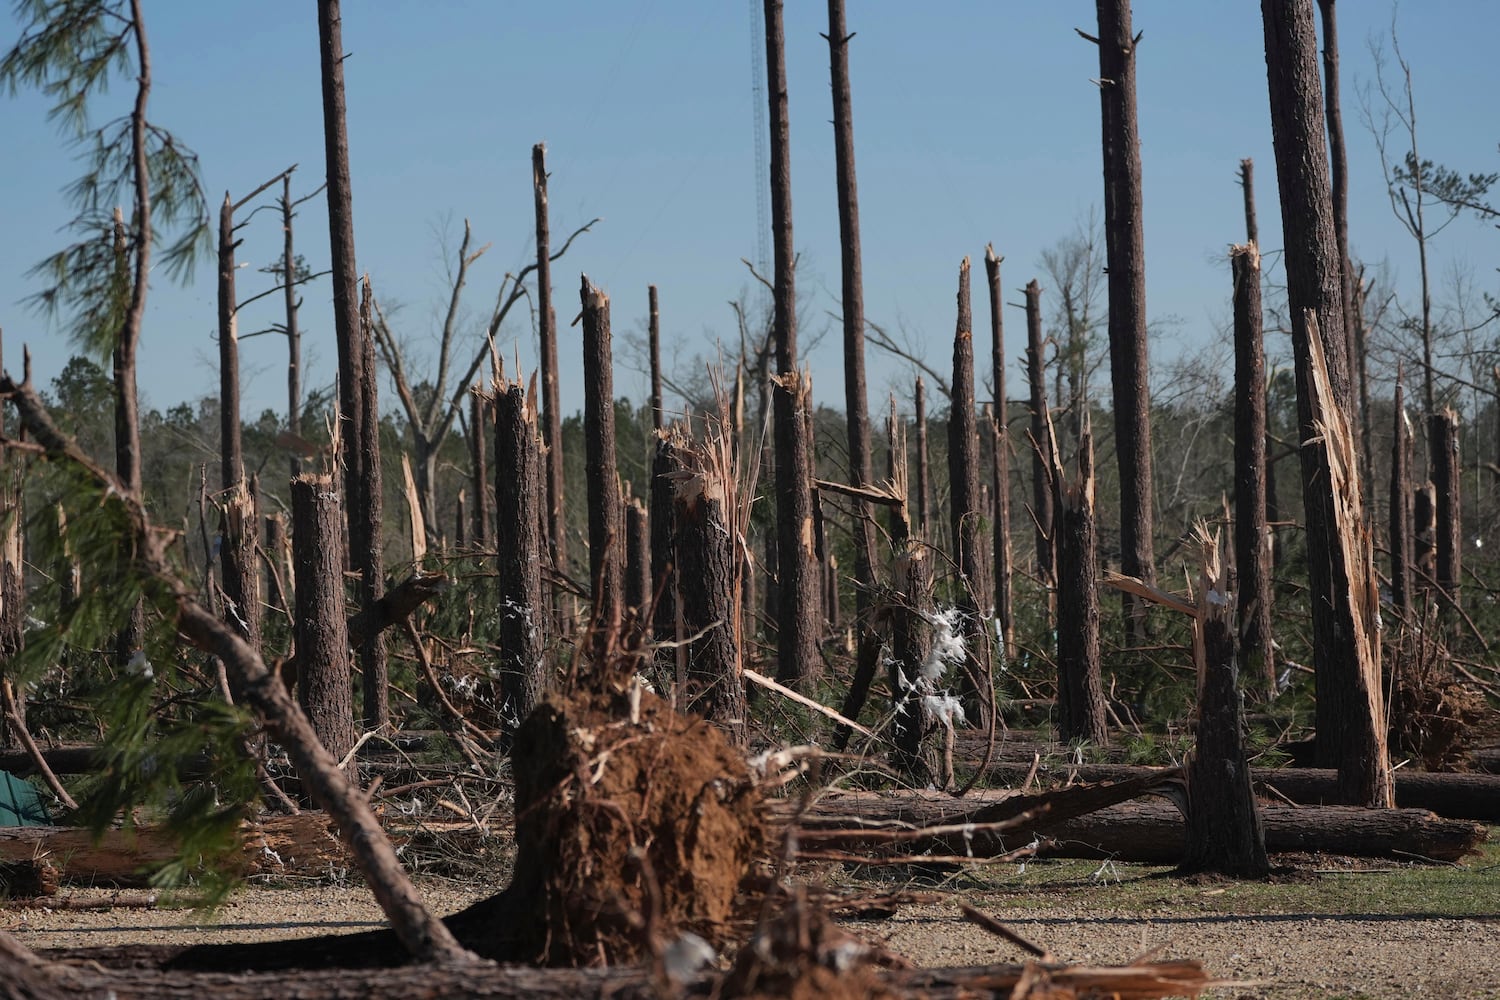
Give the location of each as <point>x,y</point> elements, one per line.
<point>1424,533</point>
<point>1257,661</point>
<point>1080,687</point>
<point>12,570</point>
<point>324,679</point>
<point>1442,438</point>
<point>1126,260</point>
<point>231,455</point>
<point>557,540</point>
<point>1350,717</point>
<point>965,515</point>
<point>1401,533</point>
<point>911,625</point>
<point>924,490</point>
<point>239,529</point>
<point>665,461</point>
<point>1247,184</point>
<point>1042,459</point>
<point>606,541</point>
<point>653,330</point>
<point>293,333</point>
<point>1001,448</point>
<point>856,398</point>
<point>369,559</point>
<point>278,562</point>
<point>1224,832</point>
<point>1338,163</point>
<point>637,562</point>
<point>796,649</point>
<point>705,548</point>
<point>479,424</point>
<point>519,496</point>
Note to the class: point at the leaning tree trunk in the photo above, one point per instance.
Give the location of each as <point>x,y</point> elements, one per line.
<point>324,676</point>
<point>856,401</point>
<point>1126,264</point>
<point>1442,446</point>
<point>1350,718</point>
<point>1224,833</point>
<point>557,540</point>
<point>1252,553</point>
<point>797,584</point>
<point>606,541</point>
<point>1400,532</point>
<point>1041,441</point>
<point>519,494</point>
<point>1001,438</point>
<point>1080,687</point>
<point>706,555</point>
<point>966,518</point>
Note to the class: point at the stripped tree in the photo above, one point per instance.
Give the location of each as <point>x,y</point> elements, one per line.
<point>1252,553</point>
<point>518,553</point>
<point>606,540</point>
<point>1001,453</point>
<point>1400,532</point>
<point>1041,440</point>
<point>1080,687</point>
<point>557,541</point>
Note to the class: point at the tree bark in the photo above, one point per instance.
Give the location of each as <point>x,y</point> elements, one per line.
<point>797,605</point>
<point>480,423</point>
<point>1001,449</point>
<point>706,554</point>
<point>519,497</point>
<point>1400,532</point>
<point>1252,553</point>
<point>1126,262</point>
<point>238,531</point>
<point>324,672</point>
<point>231,455</point>
<point>1247,185</point>
<point>924,478</point>
<point>1424,533</point>
<point>277,555</point>
<point>1042,459</point>
<point>1349,715</point>
<point>974,594</point>
<point>1338,164</point>
<point>551,413</point>
<point>856,397</point>
<point>653,333</point>
<point>637,564</point>
<point>606,538</point>
<point>293,333</point>
<point>369,558</point>
<point>1442,437</point>
<point>1080,686</point>
<point>669,658</point>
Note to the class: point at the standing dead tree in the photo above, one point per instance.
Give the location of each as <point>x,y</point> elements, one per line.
<point>1442,446</point>
<point>1350,717</point>
<point>551,413</point>
<point>966,517</point>
<point>1126,262</point>
<point>518,553</point>
<point>1400,531</point>
<point>325,686</point>
<point>1080,687</point>
<point>797,582</point>
<point>431,415</point>
<point>1001,449</point>
<point>606,538</point>
<point>1338,164</point>
<point>1252,551</point>
<point>1041,441</point>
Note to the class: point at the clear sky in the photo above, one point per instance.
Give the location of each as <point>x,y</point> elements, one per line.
<point>974,122</point>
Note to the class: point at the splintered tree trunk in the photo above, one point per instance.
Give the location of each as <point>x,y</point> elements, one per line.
<point>637,562</point>
<point>666,460</point>
<point>12,566</point>
<point>1442,437</point>
<point>557,541</point>
<point>369,558</point>
<point>797,584</point>
<point>324,672</point>
<point>856,400</point>
<point>1338,169</point>
<point>239,528</point>
<point>1252,553</point>
<point>278,560</point>
<point>232,466</point>
<point>293,333</point>
<point>1041,440</point>
<point>1350,718</point>
<point>1000,440</point>
<point>710,607</point>
<point>606,543</point>
<point>479,424</point>
<point>1400,531</point>
<point>1080,687</point>
<point>1424,533</point>
<point>924,494</point>
<point>1247,184</point>
<point>653,332</point>
<point>1224,833</point>
<point>911,625</point>
<point>519,494</point>
<point>1126,262</point>
<point>965,517</point>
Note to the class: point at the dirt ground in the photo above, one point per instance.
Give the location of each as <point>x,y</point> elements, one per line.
<point>1278,956</point>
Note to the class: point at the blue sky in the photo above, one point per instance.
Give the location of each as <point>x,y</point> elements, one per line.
<point>974,123</point>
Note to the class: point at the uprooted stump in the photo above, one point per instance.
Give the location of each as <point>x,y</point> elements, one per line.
<point>634,824</point>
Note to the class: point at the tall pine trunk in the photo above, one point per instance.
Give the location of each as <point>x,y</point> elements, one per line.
<point>1001,449</point>
<point>557,540</point>
<point>519,496</point>
<point>1252,553</point>
<point>1041,439</point>
<point>606,540</point>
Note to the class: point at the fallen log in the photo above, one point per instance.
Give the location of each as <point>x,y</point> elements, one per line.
<point>1452,795</point>
<point>278,845</point>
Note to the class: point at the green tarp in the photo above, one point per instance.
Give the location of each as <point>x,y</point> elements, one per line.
<point>20,803</point>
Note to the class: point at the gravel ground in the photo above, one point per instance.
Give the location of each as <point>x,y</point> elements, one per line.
<point>1280,957</point>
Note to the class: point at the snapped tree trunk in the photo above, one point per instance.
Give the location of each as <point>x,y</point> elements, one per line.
<point>231,460</point>
<point>238,531</point>
<point>797,583</point>
<point>1442,438</point>
<point>1126,261</point>
<point>1080,686</point>
<point>911,626</point>
<point>1338,172</point>
<point>557,541</point>
<point>669,657</point>
<point>653,333</point>
<point>324,673</point>
<point>637,564</point>
<point>1001,448</point>
<point>856,400</point>
<point>1042,459</point>
<point>1252,553</point>
<point>606,540</point>
<point>480,422</point>
<point>369,558</point>
<point>1349,717</point>
<point>924,489</point>
<point>1400,532</point>
<point>519,499</point>
<point>293,333</point>
<point>973,598</point>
